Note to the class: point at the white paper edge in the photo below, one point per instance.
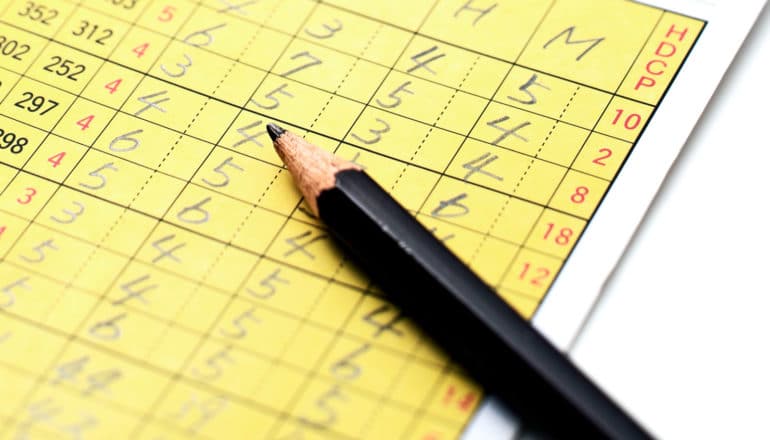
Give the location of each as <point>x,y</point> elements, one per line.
<point>578,286</point>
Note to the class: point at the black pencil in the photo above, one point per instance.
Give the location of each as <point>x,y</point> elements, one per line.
<point>501,350</point>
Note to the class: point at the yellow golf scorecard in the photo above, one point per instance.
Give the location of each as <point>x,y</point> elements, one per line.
<point>160,276</point>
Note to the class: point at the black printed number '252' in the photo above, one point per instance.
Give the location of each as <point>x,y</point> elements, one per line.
<point>64,67</point>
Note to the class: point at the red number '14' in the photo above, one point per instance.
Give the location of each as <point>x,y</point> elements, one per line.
<point>538,278</point>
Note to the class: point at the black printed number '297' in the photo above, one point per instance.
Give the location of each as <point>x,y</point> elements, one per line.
<point>36,104</point>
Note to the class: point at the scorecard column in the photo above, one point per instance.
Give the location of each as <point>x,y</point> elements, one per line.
<point>19,49</point>
<point>351,373</point>
<point>352,54</point>
<point>228,375</point>
<point>471,206</point>
<point>577,60</point>
<point>23,36</point>
<point>103,378</point>
<point>68,283</point>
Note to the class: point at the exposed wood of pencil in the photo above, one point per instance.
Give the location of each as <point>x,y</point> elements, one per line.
<point>312,168</point>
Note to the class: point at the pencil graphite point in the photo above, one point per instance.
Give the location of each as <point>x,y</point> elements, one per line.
<point>313,169</point>
<point>274,131</point>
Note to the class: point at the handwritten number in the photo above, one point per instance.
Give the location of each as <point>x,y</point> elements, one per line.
<point>182,67</point>
<point>329,30</point>
<point>376,133</point>
<point>314,61</point>
<point>101,177</point>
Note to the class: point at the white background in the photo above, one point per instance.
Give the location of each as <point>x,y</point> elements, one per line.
<point>681,335</point>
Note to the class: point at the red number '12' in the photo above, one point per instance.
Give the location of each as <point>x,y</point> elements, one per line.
<point>541,274</point>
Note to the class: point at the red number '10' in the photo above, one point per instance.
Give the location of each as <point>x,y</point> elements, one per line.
<point>631,121</point>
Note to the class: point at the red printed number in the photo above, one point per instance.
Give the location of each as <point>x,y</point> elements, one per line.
<point>562,237</point>
<point>113,85</point>
<point>2,230</point>
<point>140,50</point>
<point>85,122</point>
<point>167,14</point>
<point>536,276</point>
<point>56,159</point>
<point>630,122</point>
<point>599,160</point>
<point>29,193</point>
<point>463,402</point>
<point>580,195</point>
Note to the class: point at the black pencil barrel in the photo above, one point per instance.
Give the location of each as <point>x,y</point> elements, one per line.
<point>466,317</point>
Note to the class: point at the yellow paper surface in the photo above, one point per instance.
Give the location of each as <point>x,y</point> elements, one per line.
<point>161,277</point>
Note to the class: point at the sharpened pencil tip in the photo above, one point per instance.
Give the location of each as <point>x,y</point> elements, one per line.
<point>274,131</point>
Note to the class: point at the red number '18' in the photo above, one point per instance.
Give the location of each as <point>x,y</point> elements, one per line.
<point>562,237</point>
